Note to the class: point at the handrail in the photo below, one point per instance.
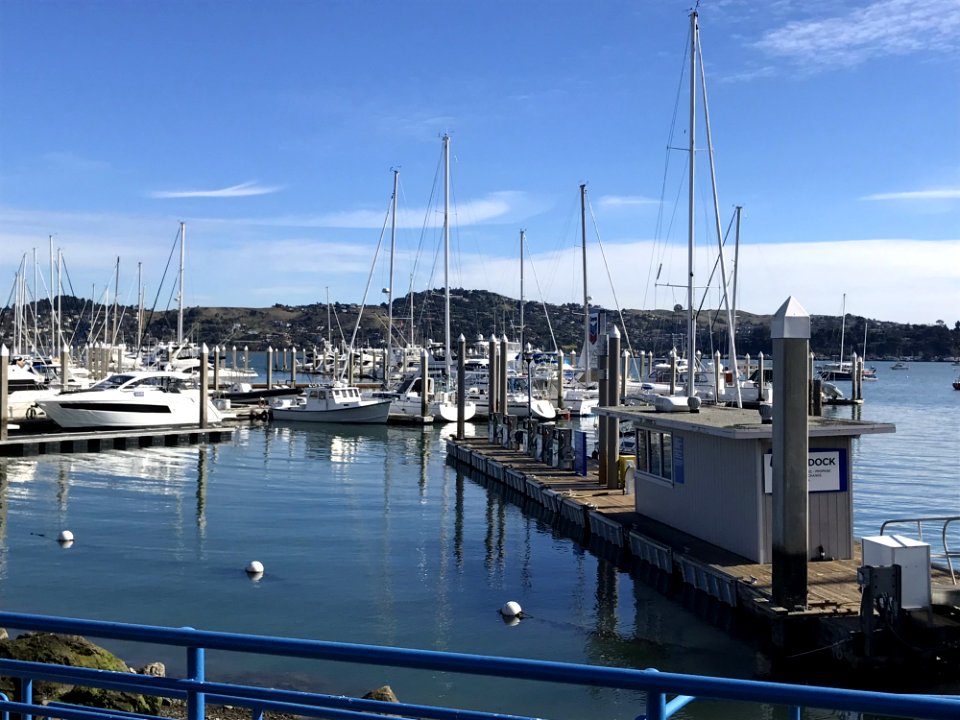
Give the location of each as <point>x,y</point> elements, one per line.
<point>947,553</point>
<point>198,691</point>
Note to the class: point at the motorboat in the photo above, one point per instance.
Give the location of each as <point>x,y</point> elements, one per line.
<point>334,403</point>
<point>131,399</point>
<point>405,401</point>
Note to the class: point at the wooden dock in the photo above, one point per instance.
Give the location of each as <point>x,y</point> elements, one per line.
<point>607,519</point>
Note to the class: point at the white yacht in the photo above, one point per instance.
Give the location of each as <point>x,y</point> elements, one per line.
<point>131,399</point>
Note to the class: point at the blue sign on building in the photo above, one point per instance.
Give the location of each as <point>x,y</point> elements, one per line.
<point>580,452</point>
<point>678,459</point>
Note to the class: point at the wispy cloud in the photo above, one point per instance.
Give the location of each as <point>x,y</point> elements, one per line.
<point>242,190</point>
<point>496,206</point>
<point>621,201</point>
<point>878,29</point>
<point>943,194</point>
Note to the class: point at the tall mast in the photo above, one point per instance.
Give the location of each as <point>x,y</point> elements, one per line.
<point>446,254</point>
<point>329,326</point>
<point>183,242</point>
<point>393,248</point>
<point>522,235</point>
<point>139,306</point>
<point>59,341</point>
<point>691,327</point>
<point>843,322</point>
<point>36,303</point>
<point>116,303</point>
<point>586,298</point>
<point>53,315</point>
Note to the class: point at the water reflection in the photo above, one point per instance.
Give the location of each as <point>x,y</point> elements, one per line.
<point>202,471</point>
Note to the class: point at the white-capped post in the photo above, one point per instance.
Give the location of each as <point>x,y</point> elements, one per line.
<point>790,333</point>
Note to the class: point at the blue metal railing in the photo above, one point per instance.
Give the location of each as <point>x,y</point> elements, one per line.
<point>197,691</point>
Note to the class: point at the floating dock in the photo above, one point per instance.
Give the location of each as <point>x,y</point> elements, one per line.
<point>100,440</point>
<point>827,631</point>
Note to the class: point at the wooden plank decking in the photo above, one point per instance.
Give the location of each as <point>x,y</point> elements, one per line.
<point>832,584</point>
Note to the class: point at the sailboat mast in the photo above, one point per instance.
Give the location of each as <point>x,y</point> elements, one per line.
<point>691,327</point>
<point>36,304</point>
<point>586,298</point>
<point>329,326</point>
<point>522,235</point>
<point>843,323</point>
<point>183,242</point>
<point>53,315</point>
<point>116,302</point>
<point>139,307</point>
<point>393,248</point>
<point>446,254</point>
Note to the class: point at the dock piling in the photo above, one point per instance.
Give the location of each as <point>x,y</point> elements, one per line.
<point>270,367</point>
<point>4,391</point>
<point>204,391</point>
<point>461,385</point>
<point>790,333</point>
<point>612,448</point>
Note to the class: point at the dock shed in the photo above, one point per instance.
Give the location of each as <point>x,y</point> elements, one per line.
<point>709,474</point>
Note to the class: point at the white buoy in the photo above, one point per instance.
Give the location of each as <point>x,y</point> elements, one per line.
<point>511,609</point>
<point>65,536</point>
<point>255,568</point>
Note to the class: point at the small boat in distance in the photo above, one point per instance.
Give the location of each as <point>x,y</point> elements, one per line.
<point>956,383</point>
<point>148,398</point>
<point>336,403</point>
<point>899,366</point>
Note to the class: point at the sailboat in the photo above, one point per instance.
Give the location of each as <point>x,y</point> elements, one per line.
<point>581,395</point>
<point>692,398</point>
<point>406,400</point>
<point>444,405</point>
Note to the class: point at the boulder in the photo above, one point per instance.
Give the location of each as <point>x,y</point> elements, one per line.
<point>78,652</point>
<point>383,693</point>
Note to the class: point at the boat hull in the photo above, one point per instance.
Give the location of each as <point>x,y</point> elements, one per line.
<point>368,412</point>
<point>93,413</point>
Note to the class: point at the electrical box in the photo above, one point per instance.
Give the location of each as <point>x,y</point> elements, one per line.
<point>913,557</point>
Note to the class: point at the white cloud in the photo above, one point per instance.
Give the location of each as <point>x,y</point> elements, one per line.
<point>620,201</point>
<point>943,194</point>
<point>242,190</point>
<point>878,29</point>
<point>902,280</point>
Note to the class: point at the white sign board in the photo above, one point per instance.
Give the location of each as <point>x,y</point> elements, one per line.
<point>826,471</point>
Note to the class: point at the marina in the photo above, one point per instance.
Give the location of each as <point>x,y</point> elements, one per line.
<point>372,519</point>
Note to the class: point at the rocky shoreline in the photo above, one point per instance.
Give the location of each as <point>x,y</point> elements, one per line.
<point>77,651</point>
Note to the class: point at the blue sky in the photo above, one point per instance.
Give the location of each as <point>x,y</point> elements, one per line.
<point>272,130</point>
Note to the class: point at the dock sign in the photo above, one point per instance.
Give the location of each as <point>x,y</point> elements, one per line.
<point>826,471</point>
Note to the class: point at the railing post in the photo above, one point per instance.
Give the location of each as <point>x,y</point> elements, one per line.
<point>795,712</point>
<point>196,701</point>
<point>23,693</point>
<point>656,706</point>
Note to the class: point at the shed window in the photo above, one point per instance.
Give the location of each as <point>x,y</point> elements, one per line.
<point>655,455</point>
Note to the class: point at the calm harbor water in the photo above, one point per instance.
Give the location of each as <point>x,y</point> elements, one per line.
<point>368,536</point>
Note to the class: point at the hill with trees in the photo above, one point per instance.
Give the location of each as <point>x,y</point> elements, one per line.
<point>475,313</point>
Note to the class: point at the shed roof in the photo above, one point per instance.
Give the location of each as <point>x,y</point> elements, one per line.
<point>736,423</point>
